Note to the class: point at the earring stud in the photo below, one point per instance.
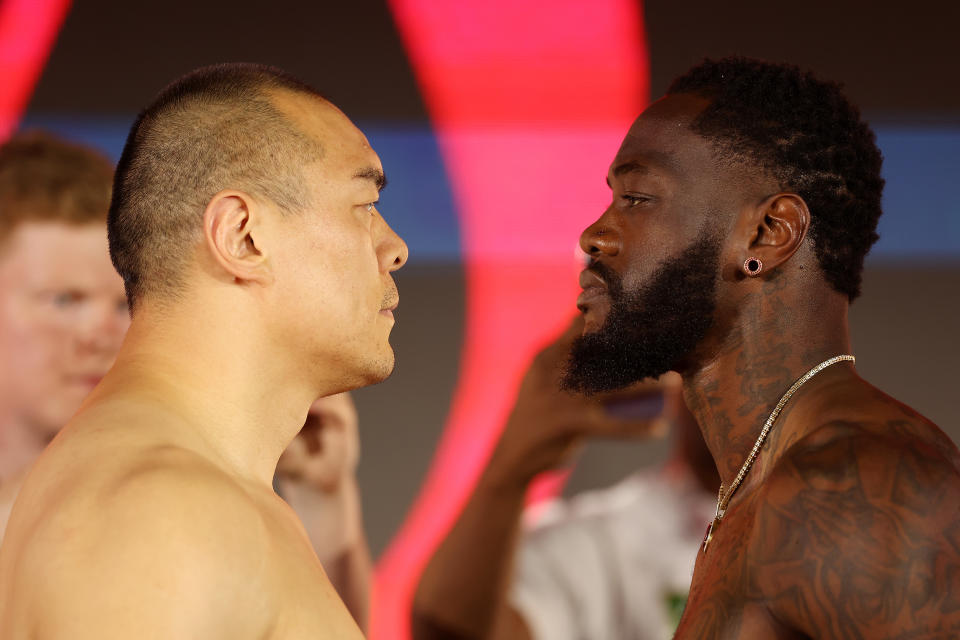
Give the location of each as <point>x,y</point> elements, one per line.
<point>753,266</point>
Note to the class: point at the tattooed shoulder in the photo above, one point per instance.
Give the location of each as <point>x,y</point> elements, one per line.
<point>857,533</point>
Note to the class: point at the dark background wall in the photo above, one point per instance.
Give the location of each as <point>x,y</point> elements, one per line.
<point>898,60</point>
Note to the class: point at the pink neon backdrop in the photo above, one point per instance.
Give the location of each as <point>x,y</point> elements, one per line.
<point>529,102</point>
<point>28,29</point>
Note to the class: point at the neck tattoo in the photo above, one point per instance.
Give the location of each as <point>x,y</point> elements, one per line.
<point>723,499</point>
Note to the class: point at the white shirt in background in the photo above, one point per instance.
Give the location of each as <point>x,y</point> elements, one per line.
<point>613,564</point>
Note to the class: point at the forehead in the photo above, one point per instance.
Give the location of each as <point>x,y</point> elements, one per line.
<point>41,237</point>
<point>662,139</point>
<point>51,251</point>
<point>344,145</point>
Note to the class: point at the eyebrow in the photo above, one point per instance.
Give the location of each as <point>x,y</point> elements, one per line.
<point>625,168</point>
<point>630,167</point>
<point>374,175</point>
<point>653,160</point>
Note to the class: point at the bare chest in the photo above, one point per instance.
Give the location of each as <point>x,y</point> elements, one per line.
<point>724,603</point>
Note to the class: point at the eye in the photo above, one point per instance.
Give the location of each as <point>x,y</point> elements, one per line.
<point>66,299</point>
<point>371,206</point>
<point>632,200</point>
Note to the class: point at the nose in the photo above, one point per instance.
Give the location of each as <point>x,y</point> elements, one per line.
<point>393,252</point>
<point>600,238</point>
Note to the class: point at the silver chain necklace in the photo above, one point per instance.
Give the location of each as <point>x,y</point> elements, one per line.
<point>723,499</point>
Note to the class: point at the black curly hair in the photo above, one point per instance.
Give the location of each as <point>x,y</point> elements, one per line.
<point>808,136</point>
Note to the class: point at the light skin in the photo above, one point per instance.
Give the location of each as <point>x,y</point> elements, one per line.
<point>63,315</point>
<point>463,592</point>
<point>848,524</point>
<point>166,471</point>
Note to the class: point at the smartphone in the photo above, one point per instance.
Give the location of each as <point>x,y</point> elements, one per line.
<point>643,406</point>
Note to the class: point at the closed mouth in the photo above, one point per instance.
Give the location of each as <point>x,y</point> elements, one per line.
<point>589,296</point>
<point>593,287</point>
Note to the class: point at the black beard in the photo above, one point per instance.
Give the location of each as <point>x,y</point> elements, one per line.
<point>648,332</point>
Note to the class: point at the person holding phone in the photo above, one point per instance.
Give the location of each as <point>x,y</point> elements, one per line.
<point>613,563</point>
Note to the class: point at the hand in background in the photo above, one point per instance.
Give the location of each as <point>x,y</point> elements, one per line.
<point>463,590</point>
<point>547,425</point>
<point>326,451</point>
<point>317,478</point>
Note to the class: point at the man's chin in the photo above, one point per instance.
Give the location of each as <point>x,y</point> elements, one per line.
<point>601,360</point>
<point>594,318</point>
<point>381,369</point>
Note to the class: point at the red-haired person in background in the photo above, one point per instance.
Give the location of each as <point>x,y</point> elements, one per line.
<point>63,313</point>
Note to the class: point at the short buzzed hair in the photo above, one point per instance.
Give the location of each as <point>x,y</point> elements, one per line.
<point>46,179</point>
<point>213,129</point>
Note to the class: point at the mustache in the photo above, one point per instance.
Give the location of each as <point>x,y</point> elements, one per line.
<point>390,297</point>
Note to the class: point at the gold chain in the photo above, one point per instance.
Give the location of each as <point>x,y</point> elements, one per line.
<point>724,497</point>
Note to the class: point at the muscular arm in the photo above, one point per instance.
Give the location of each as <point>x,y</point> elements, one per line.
<point>463,591</point>
<point>859,535</point>
<point>462,594</point>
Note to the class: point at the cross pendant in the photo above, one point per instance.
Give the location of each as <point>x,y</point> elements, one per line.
<point>708,536</point>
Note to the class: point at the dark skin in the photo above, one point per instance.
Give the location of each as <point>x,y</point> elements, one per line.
<point>848,525</point>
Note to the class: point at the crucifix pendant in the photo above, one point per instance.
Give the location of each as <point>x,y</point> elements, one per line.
<point>708,536</point>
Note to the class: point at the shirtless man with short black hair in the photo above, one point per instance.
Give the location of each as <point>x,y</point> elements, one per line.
<point>258,271</point>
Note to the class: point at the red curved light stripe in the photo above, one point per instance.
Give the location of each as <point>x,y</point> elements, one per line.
<point>529,102</point>
<point>28,29</point>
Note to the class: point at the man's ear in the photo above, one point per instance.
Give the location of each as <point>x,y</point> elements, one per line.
<point>230,224</point>
<point>777,228</point>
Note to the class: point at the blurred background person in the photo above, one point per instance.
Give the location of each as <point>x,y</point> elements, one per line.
<point>605,565</point>
<point>63,313</point>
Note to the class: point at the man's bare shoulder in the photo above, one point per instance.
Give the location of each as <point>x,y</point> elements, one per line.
<point>186,498</point>
<point>161,538</point>
<point>857,529</point>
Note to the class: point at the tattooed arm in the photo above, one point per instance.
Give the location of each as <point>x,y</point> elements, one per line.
<point>858,535</point>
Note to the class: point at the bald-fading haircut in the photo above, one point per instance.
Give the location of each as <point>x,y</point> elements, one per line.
<point>213,129</point>
<point>46,179</point>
